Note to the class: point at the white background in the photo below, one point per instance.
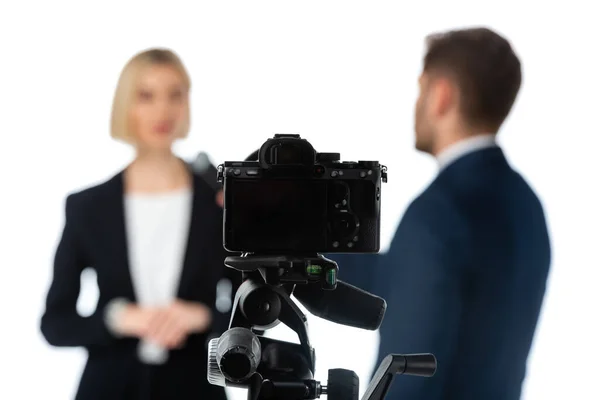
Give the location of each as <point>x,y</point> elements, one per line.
<point>343,75</point>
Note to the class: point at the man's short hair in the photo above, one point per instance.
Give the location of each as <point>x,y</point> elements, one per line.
<point>484,66</point>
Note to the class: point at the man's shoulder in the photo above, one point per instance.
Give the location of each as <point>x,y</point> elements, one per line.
<point>434,213</point>
<point>433,202</point>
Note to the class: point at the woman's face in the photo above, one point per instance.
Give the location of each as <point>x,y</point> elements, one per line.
<point>159,111</point>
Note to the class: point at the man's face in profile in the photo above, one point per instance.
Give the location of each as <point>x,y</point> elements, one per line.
<point>424,135</point>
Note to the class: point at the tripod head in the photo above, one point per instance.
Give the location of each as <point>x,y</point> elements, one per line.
<point>274,369</point>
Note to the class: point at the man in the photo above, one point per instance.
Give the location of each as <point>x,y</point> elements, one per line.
<point>466,271</point>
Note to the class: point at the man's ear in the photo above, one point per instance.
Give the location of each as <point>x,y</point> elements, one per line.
<point>444,96</point>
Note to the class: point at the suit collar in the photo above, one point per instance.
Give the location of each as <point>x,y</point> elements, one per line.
<point>464,147</point>
<point>475,162</point>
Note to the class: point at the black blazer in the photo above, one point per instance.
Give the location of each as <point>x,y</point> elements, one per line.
<point>94,236</point>
<point>464,279</point>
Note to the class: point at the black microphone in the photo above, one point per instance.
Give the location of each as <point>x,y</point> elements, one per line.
<point>346,305</point>
<point>206,170</point>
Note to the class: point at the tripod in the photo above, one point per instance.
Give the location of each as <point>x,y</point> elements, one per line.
<point>274,369</point>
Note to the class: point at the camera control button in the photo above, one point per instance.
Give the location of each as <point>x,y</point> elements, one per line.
<point>369,164</point>
<point>252,172</point>
<point>334,174</point>
<point>237,172</point>
<point>350,244</point>
<point>336,244</point>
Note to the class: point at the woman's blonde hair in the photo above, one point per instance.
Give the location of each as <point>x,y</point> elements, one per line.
<point>126,87</point>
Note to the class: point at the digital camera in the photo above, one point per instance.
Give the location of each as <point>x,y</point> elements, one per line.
<point>293,200</point>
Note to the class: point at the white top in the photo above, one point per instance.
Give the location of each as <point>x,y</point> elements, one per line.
<point>157,228</point>
<point>464,147</point>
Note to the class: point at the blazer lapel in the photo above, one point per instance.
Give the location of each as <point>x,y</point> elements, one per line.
<point>196,240</point>
<point>115,221</point>
<point>200,217</point>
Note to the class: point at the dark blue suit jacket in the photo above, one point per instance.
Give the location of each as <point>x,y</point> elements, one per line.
<point>464,279</point>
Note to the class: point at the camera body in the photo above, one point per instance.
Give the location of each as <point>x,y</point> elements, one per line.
<point>293,200</point>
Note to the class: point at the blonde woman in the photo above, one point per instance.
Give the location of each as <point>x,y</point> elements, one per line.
<point>153,234</point>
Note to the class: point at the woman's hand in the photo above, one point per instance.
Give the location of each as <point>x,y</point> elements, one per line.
<point>134,321</point>
<point>169,327</point>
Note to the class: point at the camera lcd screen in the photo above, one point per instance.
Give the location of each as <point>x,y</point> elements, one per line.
<point>276,215</point>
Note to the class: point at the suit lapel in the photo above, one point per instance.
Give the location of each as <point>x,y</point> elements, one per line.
<point>116,225</point>
<point>196,240</point>
<point>199,217</point>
